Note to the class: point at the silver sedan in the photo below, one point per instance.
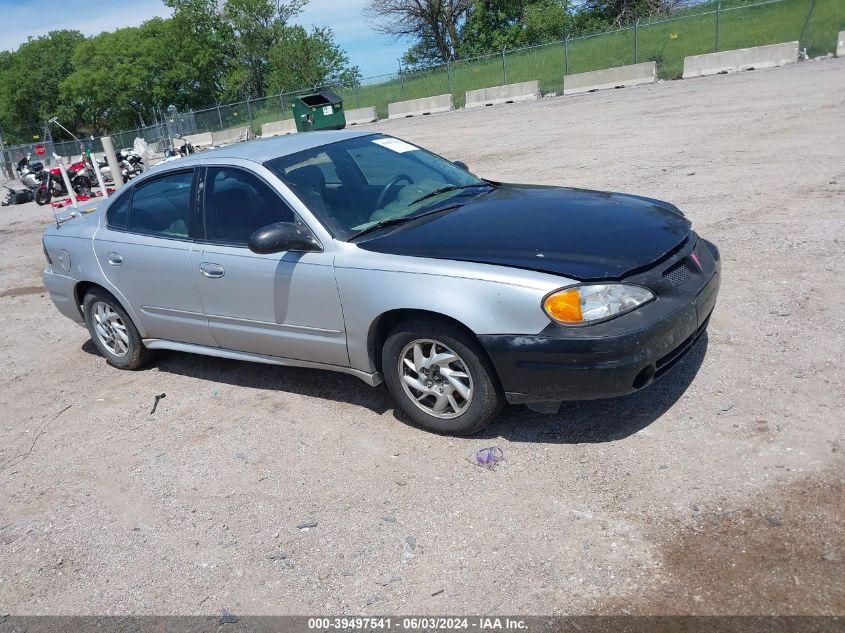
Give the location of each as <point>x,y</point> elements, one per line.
<point>365,254</point>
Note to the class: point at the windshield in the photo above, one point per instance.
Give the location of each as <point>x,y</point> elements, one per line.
<point>356,184</point>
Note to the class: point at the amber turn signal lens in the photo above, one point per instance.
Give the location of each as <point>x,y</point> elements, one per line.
<point>565,306</point>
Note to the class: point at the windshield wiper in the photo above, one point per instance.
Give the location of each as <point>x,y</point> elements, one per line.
<point>381,224</point>
<point>400,220</point>
<point>437,192</point>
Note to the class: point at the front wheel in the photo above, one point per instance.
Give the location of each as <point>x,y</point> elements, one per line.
<point>113,333</point>
<point>440,377</point>
<point>82,185</point>
<point>43,195</point>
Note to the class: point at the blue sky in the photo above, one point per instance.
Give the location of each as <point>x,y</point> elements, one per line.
<point>374,54</point>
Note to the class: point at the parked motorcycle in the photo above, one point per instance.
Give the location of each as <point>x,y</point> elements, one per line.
<point>175,152</point>
<point>187,148</point>
<point>54,185</point>
<point>135,161</point>
<point>30,174</point>
<point>131,165</point>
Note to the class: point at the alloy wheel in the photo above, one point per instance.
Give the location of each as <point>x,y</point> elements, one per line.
<point>435,378</point>
<point>110,328</point>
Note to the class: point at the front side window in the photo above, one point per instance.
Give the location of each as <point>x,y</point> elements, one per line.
<point>162,206</point>
<point>238,203</point>
<point>359,183</point>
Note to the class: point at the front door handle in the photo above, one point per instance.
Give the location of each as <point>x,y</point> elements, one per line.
<point>212,271</point>
<point>115,259</point>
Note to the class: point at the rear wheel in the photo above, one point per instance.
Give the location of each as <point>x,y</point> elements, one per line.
<point>43,195</point>
<point>440,377</point>
<point>113,332</point>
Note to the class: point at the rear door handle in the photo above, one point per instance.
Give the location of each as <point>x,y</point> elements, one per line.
<point>212,271</point>
<point>115,259</point>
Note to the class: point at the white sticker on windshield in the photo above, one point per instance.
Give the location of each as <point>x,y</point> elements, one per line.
<point>395,144</point>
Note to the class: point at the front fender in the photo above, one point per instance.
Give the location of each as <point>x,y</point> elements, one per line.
<point>486,299</point>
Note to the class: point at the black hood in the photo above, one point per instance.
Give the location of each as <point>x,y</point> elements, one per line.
<point>573,232</point>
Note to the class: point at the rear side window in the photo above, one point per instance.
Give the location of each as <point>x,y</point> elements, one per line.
<point>162,206</point>
<point>118,212</point>
<point>238,203</point>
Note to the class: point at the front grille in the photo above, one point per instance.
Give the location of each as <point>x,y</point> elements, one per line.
<point>678,274</point>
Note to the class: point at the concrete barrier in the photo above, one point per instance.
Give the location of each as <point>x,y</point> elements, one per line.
<point>278,128</point>
<point>740,59</point>
<point>418,107</point>
<point>359,116</point>
<point>840,44</point>
<point>232,135</point>
<point>510,93</point>
<point>633,75</point>
<point>200,140</point>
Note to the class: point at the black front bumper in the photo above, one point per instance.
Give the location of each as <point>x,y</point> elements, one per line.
<point>622,355</point>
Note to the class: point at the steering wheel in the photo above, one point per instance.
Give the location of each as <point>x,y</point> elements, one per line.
<point>392,183</point>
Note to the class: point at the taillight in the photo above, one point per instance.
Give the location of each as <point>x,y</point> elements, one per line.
<point>46,254</point>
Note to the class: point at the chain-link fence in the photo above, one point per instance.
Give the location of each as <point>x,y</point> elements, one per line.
<point>714,26</point>
<point>155,135</point>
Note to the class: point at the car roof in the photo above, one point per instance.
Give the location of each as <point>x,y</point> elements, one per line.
<point>262,150</point>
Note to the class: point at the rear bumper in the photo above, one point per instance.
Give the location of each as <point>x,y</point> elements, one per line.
<point>608,359</point>
<point>62,292</point>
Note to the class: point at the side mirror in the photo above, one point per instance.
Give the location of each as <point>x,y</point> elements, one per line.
<point>282,236</point>
<point>461,164</point>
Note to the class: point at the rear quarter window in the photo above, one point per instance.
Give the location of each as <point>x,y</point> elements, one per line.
<point>118,212</point>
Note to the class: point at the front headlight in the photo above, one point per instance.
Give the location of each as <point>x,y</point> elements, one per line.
<point>579,305</point>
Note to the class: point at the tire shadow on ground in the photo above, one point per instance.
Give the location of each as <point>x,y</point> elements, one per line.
<point>589,421</point>
<point>314,383</point>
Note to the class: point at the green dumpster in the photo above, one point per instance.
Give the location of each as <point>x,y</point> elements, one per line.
<point>319,111</point>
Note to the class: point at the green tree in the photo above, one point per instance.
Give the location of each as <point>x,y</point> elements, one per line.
<point>492,26</point>
<point>258,26</point>
<point>200,46</point>
<point>113,83</point>
<point>618,12</point>
<point>546,21</point>
<point>30,79</point>
<point>206,52</point>
<point>305,60</point>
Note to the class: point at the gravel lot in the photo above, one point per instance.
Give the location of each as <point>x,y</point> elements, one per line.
<point>717,490</point>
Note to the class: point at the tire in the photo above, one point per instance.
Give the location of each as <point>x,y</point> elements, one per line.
<point>441,338</point>
<point>43,195</point>
<point>82,185</point>
<point>127,351</point>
